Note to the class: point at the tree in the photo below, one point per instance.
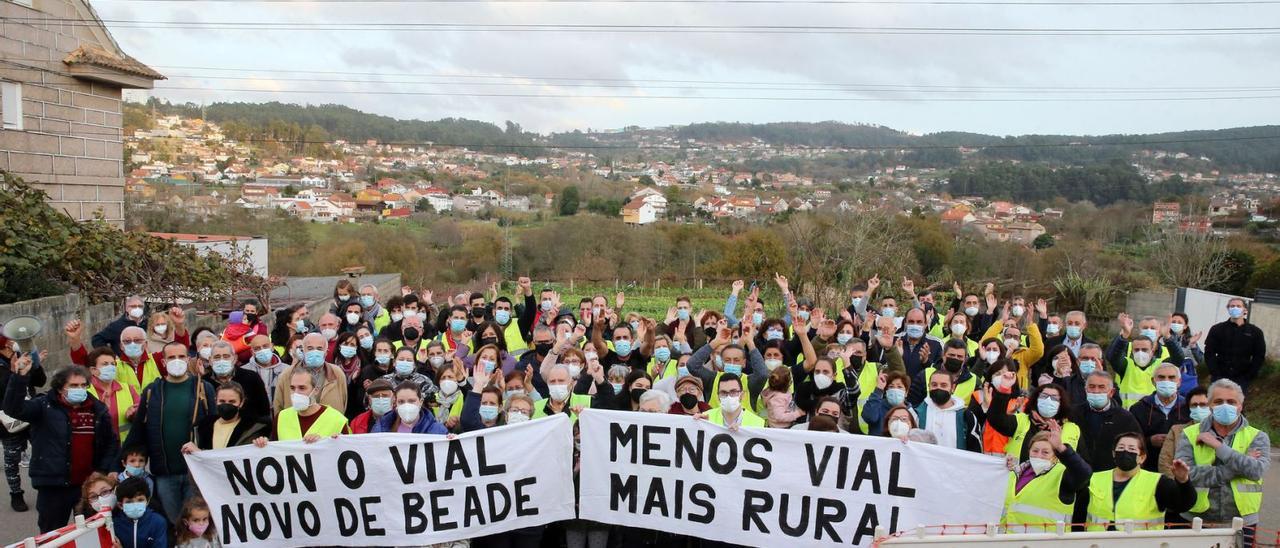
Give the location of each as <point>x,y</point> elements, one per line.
<point>289,191</point>
<point>424,206</point>
<point>830,253</point>
<point>1183,259</point>
<point>1267,277</point>
<point>1043,241</point>
<point>646,180</point>
<point>569,201</point>
<point>1237,266</point>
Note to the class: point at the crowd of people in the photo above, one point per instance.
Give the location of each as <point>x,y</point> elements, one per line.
<point>1094,432</point>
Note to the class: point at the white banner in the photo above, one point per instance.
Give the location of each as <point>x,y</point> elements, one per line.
<point>389,489</point>
<point>771,487</point>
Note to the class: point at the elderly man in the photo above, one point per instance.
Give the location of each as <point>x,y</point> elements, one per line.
<point>224,367</point>
<point>328,326</point>
<point>1228,460</point>
<point>329,384</point>
<point>1235,349</point>
<point>134,316</point>
<point>1158,412</point>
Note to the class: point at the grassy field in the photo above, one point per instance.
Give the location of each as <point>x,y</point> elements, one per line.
<point>649,301</point>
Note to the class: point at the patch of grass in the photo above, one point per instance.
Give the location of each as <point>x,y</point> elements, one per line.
<point>1262,403</point>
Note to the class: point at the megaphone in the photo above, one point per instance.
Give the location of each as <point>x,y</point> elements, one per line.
<point>22,329</point>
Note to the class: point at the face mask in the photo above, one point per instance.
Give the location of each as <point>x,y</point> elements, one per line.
<point>958,329</point>
<point>899,429</point>
<point>1073,332</point>
<point>133,471</point>
<point>161,329</point>
<point>888,311</point>
<point>1012,344</point>
<point>502,316</point>
<point>575,371</point>
<point>250,319</point>
<point>1126,460</point>
<point>176,368</point>
<point>1040,466</point>
<point>558,392</point>
<point>134,510</point>
<point>895,396</point>
<point>939,396</point>
<point>300,326</point>
<point>844,338</point>
<point>710,331</point>
<point>1235,312</point>
<point>757,318</point>
<point>135,312</point>
<point>366,301</point>
<point>662,354</point>
<point>448,386</point>
<point>105,502</point>
<point>1176,328</point>
<point>1087,367</point>
<point>409,412</point>
<point>517,417</point>
<point>396,316</point>
<point>590,356</point>
<point>1225,414</point>
<point>515,392</point>
<point>107,373</point>
<point>77,396</point>
<point>1150,334</point>
<point>380,406</point>
<point>682,313</point>
<point>622,348</point>
<point>329,333</point>
<point>300,402</point>
<point>365,343</point>
<point>404,367</point>
<point>198,529</point>
<point>773,334</point>
<point>1018,310</point>
<point>1166,389</point>
<point>436,361</point>
<point>546,305</point>
<point>314,358</point>
<point>682,371</point>
<point>617,387</point>
<point>457,325</point>
<point>971,311</point>
<point>489,413</point>
<point>688,401</point>
<point>636,393</point>
<point>1051,329</point>
<point>730,404</point>
<point>915,331</point>
<point>822,381</point>
<point>133,350</point>
<point>1097,401</point>
<point>264,356</point>
<point>488,365</point>
<point>227,411</point>
<point>344,298</point>
<point>542,349</point>
<point>1141,358</point>
<point>205,352</point>
<point>1199,414</point>
<point>221,368</point>
<point>1047,408</point>
<point>422,316</point>
<point>347,351</point>
<point>856,301</point>
<point>353,318</point>
<point>733,368</point>
<point>991,356</point>
<point>382,359</point>
<point>953,365</point>
<point>772,364</point>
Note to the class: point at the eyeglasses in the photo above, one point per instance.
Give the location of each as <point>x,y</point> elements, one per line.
<point>1053,397</point>
<point>730,394</point>
<point>99,494</point>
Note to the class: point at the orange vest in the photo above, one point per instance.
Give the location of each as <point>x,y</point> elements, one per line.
<point>993,442</point>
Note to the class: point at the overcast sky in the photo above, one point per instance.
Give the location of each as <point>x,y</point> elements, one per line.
<point>925,70</point>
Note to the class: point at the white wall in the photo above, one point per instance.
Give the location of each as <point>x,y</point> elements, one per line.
<point>257,248</point>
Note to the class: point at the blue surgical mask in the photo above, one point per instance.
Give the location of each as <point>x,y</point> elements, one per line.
<point>1087,367</point>
<point>1166,388</point>
<point>133,350</point>
<point>366,342</point>
<point>457,324</point>
<point>915,331</point>
<point>502,316</point>
<point>347,351</point>
<point>635,325</point>
<point>515,392</point>
<point>662,354</point>
<point>488,365</point>
<point>300,326</point>
<point>1097,400</point>
<point>682,371</point>
<point>1225,414</point>
<point>77,396</point>
<point>1047,408</point>
<point>617,387</point>
<point>382,359</point>
<point>546,305</point>
<point>1073,331</point>
<point>1199,414</point>
<point>133,471</point>
<point>803,314</point>
<point>107,373</point>
<point>222,368</point>
<point>1235,312</point>
<point>682,313</point>
<point>1151,334</point>
<point>489,412</point>
<point>895,396</point>
<point>888,311</point>
<point>757,318</point>
<point>733,368</point>
<point>134,510</point>
<point>773,334</point>
<point>622,347</point>
<point>844,338</point>
<point>857,301</point>
<point>404,367</point>
<point>366,301</point>
<point>264,356</point>
<point>313,358</point>
<point>380,406</point>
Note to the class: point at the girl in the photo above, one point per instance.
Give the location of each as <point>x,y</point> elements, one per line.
<point>779,403</point>
<point>195,529</point>
<point>98,493</point>
<point>342,293</point>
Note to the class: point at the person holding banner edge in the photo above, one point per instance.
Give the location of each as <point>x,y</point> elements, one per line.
<point>306,419</point>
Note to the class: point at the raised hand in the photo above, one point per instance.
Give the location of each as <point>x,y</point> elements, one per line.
<point>405,291</point>
<point>989,289</point>
<point>75,333</point>
<point>525,285</point>
<point>1004,313</point>
<point>873,283</point>
<point>909,286</point>
<point>737,286</point>
<point>1042,308</point>
<point>1126,324</point>
<point>782,282</point>
<point>479,377</point>
<point>1181,472</point>
<point>178,315</point>
<point>22,365</point>
<point>426,295</point>
<point>1196,338</point>
<point>880,381</point>
<point>619,299</point>
<point>671,314</point>
<point>955,286</point>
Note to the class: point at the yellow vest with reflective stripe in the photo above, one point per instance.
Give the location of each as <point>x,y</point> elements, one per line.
<point>288,428</point>
<point>124,400</point>
<point>747,419</point>
<point>1013,447</point>
<point>964,390</point>
<point>126,375</point>
<point>1158,358</point>
<point>1137,383</point>
<point>867,379</point>
<point>714,401</point>
<point>422,343</point>
<point>1137,502</point>
<point>575,400</point>
<point>670,370</point>
<point>381,321</point>
<point>513,339</point>
<point>1246,492</point>
<point>1036,508</point>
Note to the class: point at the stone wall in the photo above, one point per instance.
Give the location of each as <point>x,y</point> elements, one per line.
<point>1267,318</point>
<point>70,144</point>
<point>55,312</point>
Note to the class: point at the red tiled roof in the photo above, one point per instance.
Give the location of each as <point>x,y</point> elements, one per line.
<point>98,57</point>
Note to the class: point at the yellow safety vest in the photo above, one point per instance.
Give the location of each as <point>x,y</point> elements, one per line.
<point>964,390</point>
<point>126,375</point>
<point>1158,358</point>
<point>670,370</point>
<point>125,398</point>
<point>714,401</point>
<point>422,343</point>
<point>575,400</point>
<point>867,379</point>
<point>513,339</point>
<point>1036,508</point>
<point>747,419</point>
<point>1137,383</point>
<point>1137,502</point>
<point>1013,447</point>
<point>1246,492</point>
<point>288,428</point>
<point>381,321</point>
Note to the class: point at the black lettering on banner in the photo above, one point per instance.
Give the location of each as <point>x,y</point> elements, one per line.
<point>522,498</point>
<point>232,521</point>
<point>817,468</point>
<point>415,522</point>
<point>895,462</point>
<point>755,503</point>
<point>622,491</point>
<point>237,478</point>
<point>405,467</point>
<point>496,514</point>
<point>344,459</point>
<point>485,469</point>
<point>429,460</point>
<point>690,450</point>
<point>620,436</point>
<point>456,461</point>
<point>275,485</point>
<point>651,446</point>
<point>842,468</point>
<point>867,525</point>
<point>657,498</point>
<point>679,500</point>
<point>348,523</point>
<point>472,510</point>
<point>441,511</point>
<point>867,470</point>
<point>309,518</point>
<point>259,521</point>
<point>830,512</point>
<point>299,473</point>
<point>748,454</point>
<point>893,520</point>
<point>799,528</point>
<point>367,517</point>
<point>708,495</point>
<point>730,461</point>
<point>285,519</point>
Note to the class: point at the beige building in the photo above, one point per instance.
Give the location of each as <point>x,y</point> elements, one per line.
<point>61,76</point>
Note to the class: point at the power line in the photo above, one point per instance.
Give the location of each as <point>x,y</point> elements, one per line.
<point>1082,3</point>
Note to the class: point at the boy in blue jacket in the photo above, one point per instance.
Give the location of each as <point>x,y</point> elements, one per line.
<point>136,525</point>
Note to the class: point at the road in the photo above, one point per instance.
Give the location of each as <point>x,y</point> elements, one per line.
<point>16,526</point>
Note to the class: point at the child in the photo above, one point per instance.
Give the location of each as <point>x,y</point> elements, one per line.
<point>134,461</point>
<point>136,525</point>
<point>195,529</point>
<point>780,405</point>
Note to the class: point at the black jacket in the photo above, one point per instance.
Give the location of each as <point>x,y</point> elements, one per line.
<point>1153,421</point>
<point>257,402</point>
<point>244,433</point>
<point>1098,431</point>
<point>110,335</point>
<point>1235,351</point>
<point>148,420</point>
<point>51,434</point>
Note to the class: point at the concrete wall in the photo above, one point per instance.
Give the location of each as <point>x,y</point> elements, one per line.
<point>1161,303</point>
<point>70,143</point>
<point>1267,318</point>
<point>55,312</point>
<point>1156,302</point>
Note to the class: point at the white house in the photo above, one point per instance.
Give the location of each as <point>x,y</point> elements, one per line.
<point>639,212</point>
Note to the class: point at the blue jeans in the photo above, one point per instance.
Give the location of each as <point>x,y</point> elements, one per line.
<point>173,491</point>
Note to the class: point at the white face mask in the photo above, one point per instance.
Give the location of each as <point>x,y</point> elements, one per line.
<point>176,367</point>
<point>329,334</point>
<point>448,386</point>
<point>516,417</point>
<point>161,329</point>
<point>558,392</point>
<point>300,402</point>
<point>436,361</point>
<point>396,316</point>
<point>1141,358</point>
<point>408,412</point>
<point>772,364</point>
<point>1040,466</point>
<point>958,329</point>
<point>899,429</point>
<point>730,404</point>
<point>353,318</point>
<point>991,356</point>
<point>1011,344</point>
<point>135,312</point>
<point>822,381</point>
<point>106,501</point>
<point>206,352</point>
